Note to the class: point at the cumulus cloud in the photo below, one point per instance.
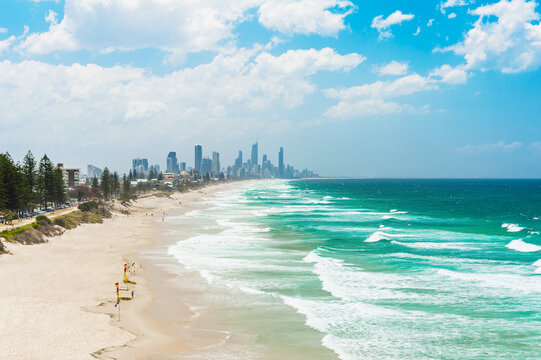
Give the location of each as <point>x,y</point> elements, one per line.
<point>108,104</point>
<point>394,68</point>
<point>177,27</point>
<point>429,23</point>
<point>489,147</point>
<point>6,44</point>
<point>505,37</point>
<point>382,25</point>
<point>451,16</point>
<point>453,3</point>
<point>372,98</point>
<point>450,75</point>
<point>305,16</point>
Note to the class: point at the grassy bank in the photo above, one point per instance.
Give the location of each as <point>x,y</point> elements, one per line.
<point>38,231</point>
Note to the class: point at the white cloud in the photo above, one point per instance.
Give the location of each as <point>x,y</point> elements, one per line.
<point>452,16</point>
<point>506,37</point>
<point>490,147</point>
<point>382,25</point>
<point>305,16</point>
<point>371,99</point>
<point>51,17</point>
<point>105,105</point>
<point>3,30</point>
<point>177,27</point>
<point>418,31</point>
<point>429,23</point>
<point>453,3</point>
<point>450,75</point>
<point>363,108</point>
<point>406,85</point>
<point>6,44</point>
<point>394,68</point>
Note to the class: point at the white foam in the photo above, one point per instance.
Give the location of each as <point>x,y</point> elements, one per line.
<point>513,227</point>
<point>328,197</point>
<point>377,236</point>
<point>434,245</point>
<point>380,235</point>
<point>520,245</point>
<point>537,263</point>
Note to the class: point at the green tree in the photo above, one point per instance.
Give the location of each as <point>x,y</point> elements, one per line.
<point>116,184</point>
<point>29,181</point>
<point>58,189</point>
<point>45,182</point>
<point>106,183</point>
<point>160,176</point>
<point>125,185</point>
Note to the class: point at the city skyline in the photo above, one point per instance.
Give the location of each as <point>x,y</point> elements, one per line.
<point>396,89</point>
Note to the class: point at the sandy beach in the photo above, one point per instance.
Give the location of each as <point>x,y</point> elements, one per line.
<point>57,299</point>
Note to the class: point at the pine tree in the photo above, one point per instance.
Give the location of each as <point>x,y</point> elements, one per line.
<point>45,181</point>
<point>58,189</point>
<point>116,184</point>
<point>29,181</point>
<point>126,184</point>
<point>106,183</point>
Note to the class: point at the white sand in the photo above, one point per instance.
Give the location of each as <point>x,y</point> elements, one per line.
<point>57,299</point>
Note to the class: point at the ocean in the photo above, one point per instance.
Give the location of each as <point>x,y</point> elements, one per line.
<point>368,269</point>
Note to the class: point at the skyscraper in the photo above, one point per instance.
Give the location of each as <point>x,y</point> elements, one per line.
<point>206,165</point>
<point>172,162</point>
<point>140,166</point>
<point>198,157</point>
<point>281,162</point>
<point>238,161</point>
<point>215,162</point>
<point>93,171</point>
<point>254,154</point>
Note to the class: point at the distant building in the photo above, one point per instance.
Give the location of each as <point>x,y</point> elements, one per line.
<point>254,154</point>
<point>93,171</point>
<point>71,177</point>
<point>281,163</point>
<point>182,167</point>
<point>172,162</point>
<point>206,165</point>
<point>215,162</point>
<point>140,166</point>
<point>198,157</point>
<point>238,160</point>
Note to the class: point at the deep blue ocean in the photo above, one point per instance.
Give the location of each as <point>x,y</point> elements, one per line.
<point>376,269</point>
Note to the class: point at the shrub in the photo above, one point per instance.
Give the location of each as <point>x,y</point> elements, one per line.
<point>60,221</point>
<point>88,206</point>
<point>42,218</point>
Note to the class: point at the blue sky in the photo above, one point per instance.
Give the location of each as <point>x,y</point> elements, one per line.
<point>350,88</point>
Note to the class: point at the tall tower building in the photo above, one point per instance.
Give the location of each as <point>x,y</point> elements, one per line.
<point>281,162</point>
<point>215,162</point>
<point>198,157</point>
<point>254,154</point>
<point>172,162</point>
<point>238,161</point>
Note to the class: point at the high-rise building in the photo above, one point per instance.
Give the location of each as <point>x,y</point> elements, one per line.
<point>281,162</point>
<point>93,171</point>
<point>254,154</point>
<point>70,176</point>
<point>198,157</point>
<point>238,160</point>
<point>215,162</point>
<point>182,167</point>
<point>206,165</point>
<point>172,162</point>
<point>140,166</point>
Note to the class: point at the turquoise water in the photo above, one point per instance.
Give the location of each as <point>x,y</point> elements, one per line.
<point>378,269</point>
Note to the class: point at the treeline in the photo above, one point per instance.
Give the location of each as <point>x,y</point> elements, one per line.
<point>28,185</point>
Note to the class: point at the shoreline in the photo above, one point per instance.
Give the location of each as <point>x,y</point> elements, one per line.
<point>67,285</point>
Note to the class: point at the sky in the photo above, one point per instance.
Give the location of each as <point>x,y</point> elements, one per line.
<point>349,88</point>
